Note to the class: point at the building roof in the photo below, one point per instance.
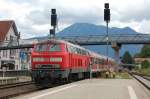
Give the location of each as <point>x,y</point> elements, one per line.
<point>4,28</point>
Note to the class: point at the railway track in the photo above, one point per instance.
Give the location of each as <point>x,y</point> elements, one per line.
<point>15,84</point>
<point>10,90</point>
<point>16,89</point>
<point>143,79</point>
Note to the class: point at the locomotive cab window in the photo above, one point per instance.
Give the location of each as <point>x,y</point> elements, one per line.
<point>41,47</point>
<point>54,47</point>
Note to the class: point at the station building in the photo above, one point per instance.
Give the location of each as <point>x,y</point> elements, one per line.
<point>13,59</point>
<point>9,35</point>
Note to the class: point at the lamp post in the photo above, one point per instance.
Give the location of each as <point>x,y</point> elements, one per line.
<point>107,20</point>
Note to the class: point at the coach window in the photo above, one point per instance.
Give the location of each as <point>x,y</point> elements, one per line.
<point>82,52</point>
<point>68,48</point>
<point>72,49</point>
<point>78,51</point>
<point>75,50</point>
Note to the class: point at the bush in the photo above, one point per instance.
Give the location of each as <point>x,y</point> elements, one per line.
<point>145,64</point>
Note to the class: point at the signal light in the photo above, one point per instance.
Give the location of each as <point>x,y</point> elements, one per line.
<point>107,13</point>
<point>53,11</point>
<point>107,5</point>
<point>52,32</point>
<point>53,17</point>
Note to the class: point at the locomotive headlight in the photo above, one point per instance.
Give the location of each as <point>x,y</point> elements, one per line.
<point>55,59</point>
<point>39,59</point>
<point>35,59</point>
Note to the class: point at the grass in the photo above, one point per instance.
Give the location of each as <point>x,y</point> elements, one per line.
<point>123,75</point>
<point>118,75</point>
<point>144,71</point>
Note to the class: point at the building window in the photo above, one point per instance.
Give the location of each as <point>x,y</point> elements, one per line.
<point>4,53</point>
<point>11,38</point>
<point>6,38</point>
<point>12,53</point>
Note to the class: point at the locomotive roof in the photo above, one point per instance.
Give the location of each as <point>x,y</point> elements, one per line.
<point>77,46</point>
<point>90,52</point>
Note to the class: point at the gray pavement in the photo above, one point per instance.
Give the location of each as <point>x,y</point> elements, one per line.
<point>94,89</point>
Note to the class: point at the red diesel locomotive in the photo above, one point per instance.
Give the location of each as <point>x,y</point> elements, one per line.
<point>57,60</point>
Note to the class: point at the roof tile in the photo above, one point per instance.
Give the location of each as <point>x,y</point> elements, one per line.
<point>4,28</point>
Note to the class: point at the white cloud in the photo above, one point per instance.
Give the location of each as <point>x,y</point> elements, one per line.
<point>144,26</point>
<point>33,16</point>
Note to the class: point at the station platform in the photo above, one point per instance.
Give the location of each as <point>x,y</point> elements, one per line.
<point>94,89</point>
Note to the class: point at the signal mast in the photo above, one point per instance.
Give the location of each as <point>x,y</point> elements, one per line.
<point>107,20</point>
<point>53,23</point>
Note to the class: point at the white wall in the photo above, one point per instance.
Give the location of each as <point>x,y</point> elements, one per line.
<point>16,55</point>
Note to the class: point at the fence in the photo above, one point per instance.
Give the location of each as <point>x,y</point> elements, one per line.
<point>15,73</point>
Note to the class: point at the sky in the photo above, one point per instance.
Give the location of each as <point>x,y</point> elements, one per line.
<point>32,17</point>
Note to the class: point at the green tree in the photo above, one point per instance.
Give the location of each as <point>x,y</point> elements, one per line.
<point>127,58</point>
<point>145,52</point>
<point>145,64</point>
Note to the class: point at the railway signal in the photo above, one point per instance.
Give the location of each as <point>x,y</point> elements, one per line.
<point>53,17</point>
<point>107,20</point>
<point>107,13</point>
<point>53,22</point>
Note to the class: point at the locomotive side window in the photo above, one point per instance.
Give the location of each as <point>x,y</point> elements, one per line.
<point>76,50</point>
<point>54,47</point>
<point>41,47</point>
<point>72,49</point>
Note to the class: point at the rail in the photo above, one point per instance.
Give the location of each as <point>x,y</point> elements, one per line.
<point>143,79</point>
<point>15,84</point>
<point>11,90</point>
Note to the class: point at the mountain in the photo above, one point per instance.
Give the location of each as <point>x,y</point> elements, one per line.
<point>81,29</point>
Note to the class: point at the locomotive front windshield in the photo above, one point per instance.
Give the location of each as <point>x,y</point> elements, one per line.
<point>41,47</point>
<point>54,47</point>
<point>48,47</point>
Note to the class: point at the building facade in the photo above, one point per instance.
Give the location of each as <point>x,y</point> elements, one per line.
<point>9,59</point>
<point>14,59</point>
<point>140,60</point>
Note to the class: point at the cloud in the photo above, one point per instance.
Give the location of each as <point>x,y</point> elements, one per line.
<point>144,26</point>
<point>130,10</point>
<point>33,16</point>
<point>39,17</point>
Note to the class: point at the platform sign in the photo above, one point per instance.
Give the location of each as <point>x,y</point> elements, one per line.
<point>22,55</point>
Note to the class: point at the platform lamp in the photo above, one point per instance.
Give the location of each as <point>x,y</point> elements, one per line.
<point>107,20</point>
<point>53,22</point>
